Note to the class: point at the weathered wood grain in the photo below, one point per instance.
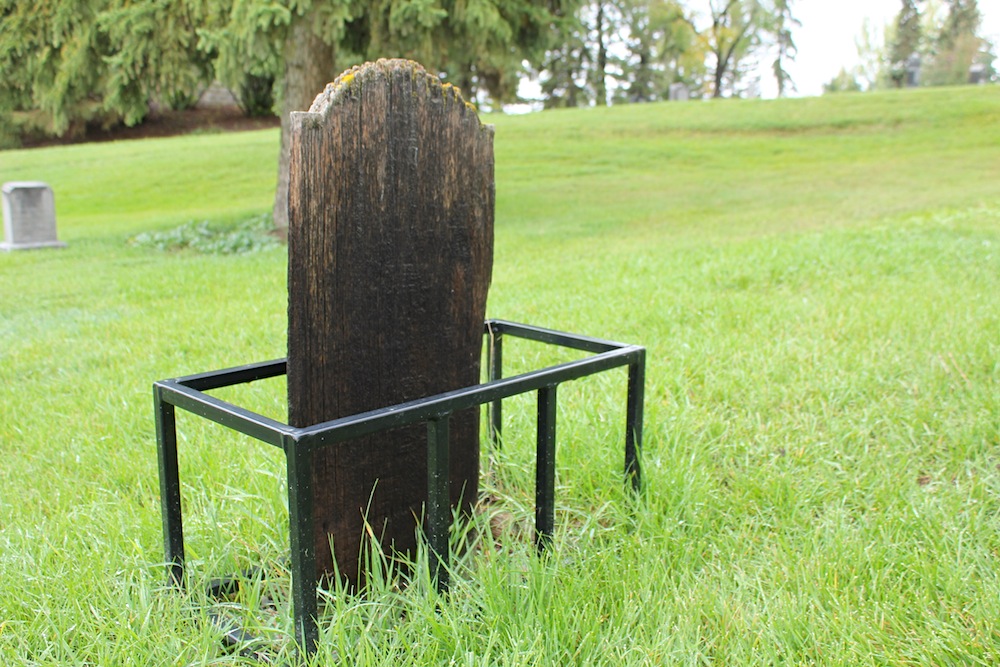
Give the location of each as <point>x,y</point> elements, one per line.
<point>391,204</point>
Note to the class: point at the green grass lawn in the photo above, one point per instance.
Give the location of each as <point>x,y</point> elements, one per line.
<point>817,282</point>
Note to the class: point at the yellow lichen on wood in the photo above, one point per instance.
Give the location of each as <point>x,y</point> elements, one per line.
<point>348,84</point>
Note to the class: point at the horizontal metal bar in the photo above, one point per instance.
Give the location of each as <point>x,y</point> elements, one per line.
<point>366,423</point>
<point>267,369</point>
<point>239,419</point>
<point>236,375</point>
<point>187,392</point>
<point>553,337</point>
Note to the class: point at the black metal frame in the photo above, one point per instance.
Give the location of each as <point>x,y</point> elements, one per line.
<point>188,393</point>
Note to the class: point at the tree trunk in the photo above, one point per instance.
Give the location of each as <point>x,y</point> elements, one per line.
<point>601,87</point>
<point>309,66</point>
<point>718,75</point>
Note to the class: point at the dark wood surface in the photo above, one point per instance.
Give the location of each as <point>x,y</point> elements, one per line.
<point>390,253</point>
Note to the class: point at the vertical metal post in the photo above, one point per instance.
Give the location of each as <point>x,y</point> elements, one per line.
<point>170,487</point>
<point>545,468</point>
<point>438,500</point>
<point>495,357</point>
<point>298,455</point>
<point>633,420</point>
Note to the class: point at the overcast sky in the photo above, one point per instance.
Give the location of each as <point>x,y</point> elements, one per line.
<point>826,39</point>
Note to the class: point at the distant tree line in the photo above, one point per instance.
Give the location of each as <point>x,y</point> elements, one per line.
<point>930,43</point>
<point>69,64</point>
<point>613,51</point>
<point>66,65</point>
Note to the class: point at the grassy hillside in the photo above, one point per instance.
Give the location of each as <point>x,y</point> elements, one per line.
<point>818,285</point>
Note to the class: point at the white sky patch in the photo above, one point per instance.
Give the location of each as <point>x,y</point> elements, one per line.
<point>829,30</point>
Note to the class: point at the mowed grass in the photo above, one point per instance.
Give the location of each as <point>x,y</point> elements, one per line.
<point>817,283</point>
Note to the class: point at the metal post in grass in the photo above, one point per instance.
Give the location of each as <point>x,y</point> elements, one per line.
<point>170,488</point>
<point>634,408</point>
<point>495,369</point>
<point>545,468</point>
<point>390,254</point>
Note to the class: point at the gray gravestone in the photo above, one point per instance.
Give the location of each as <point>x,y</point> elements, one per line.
<point>679,92</point>
<point>977,74</point>
<point>913,70</point>
<point>29,216</point>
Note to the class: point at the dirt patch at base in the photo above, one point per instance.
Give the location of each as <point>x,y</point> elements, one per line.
<point>167,124</point>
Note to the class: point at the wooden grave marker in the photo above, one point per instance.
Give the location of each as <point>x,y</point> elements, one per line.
<point>390,237</point>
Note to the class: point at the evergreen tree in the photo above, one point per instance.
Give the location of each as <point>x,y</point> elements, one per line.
<point>872,44</point>
<point>603,30</point>
<point>156,55</point>
<point>906,41</point>
<point>70,63</point>
<point>781,27</point>
<point>735,31</point>
<point>578,63</point>
<point>663,49</point>
<point>73,62</point>
<point>958,46</point>
<point>304,44</point>
<point>844,82</point>
<point>563,70</point>
<point>963,19</point>
<point>51,64</point>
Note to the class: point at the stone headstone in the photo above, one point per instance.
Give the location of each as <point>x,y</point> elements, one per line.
<point>217,96</point>
<point>977,74</point>
<point>29,216</point>
<point>679,92</point>
<point>913,70</point>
